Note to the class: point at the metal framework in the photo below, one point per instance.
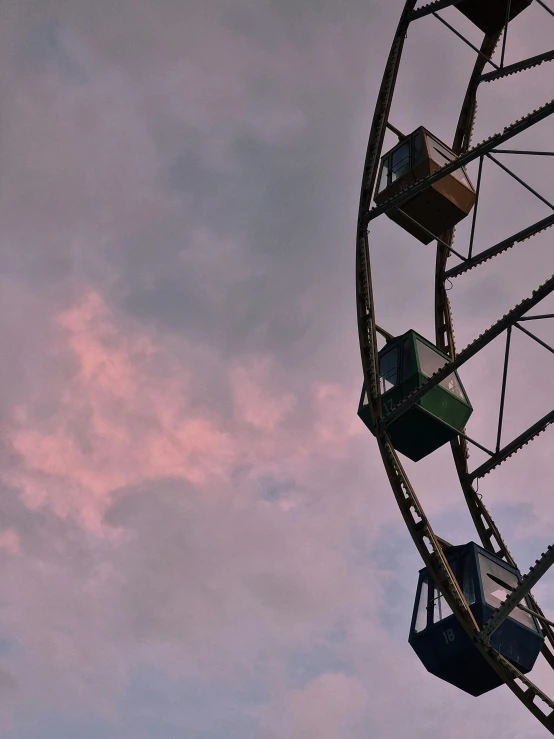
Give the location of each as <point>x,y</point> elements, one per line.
<point>429,545</point>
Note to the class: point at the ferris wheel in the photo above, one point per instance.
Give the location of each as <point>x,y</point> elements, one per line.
<point>476,623</point>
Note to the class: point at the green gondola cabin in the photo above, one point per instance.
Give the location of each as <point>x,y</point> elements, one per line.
<point>438,417</point>
<point>437,208</point>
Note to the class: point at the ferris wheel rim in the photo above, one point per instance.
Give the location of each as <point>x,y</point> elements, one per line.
<point>429,545</point>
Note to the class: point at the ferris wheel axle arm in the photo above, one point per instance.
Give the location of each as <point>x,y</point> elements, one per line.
<point>384,334</point>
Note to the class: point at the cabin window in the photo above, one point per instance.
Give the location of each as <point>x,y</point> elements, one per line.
<point>441,609</point>
<point>408,362</point>
<point>441,155</point>
<point>421,614</point>
<point>497,584</point>
<point>383,179</point>
<point>389,364</point>
<point>438,152</point>
<point>400,161</point>
<point>430,361</point>
<point>460,174</point>
<point>451,383</point>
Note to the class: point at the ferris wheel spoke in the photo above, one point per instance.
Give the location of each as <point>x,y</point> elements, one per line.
<point>513,447</point>
<point>501,247</point>
<point>521,66</point>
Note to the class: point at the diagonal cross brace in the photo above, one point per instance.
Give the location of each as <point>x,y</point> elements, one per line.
<point>486,337</point>
<point>518,594</point>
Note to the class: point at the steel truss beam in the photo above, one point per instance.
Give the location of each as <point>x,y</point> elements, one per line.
<point>500,247</point>
<point>516,444</point>
<point>529,152</point>
<point>486,337</point>
<point>513,446</point>
<point>527,582</point>
<point>532,61</point>
<point>431,8</point>
<point>483,148</point>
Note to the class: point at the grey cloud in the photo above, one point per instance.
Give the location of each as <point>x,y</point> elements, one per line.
<point>46,48</point>
<point>205,180</point>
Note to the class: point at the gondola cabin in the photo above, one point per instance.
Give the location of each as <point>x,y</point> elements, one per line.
<point>440,206</point>
<point>439,416</point>
<point>443,646</point>
<point>490,15</point>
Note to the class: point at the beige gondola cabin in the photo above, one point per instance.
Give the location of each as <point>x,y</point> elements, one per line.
<point>437,208</point>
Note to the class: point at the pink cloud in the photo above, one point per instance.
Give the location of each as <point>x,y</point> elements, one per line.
<point>123,415</point>
<point>256,400</point>
<point>116,423</point>
<point>9,541</point>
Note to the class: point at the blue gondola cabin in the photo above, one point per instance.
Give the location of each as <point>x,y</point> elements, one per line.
<point>438,417</point>
<point>437,208</point>
<point>443,646</point>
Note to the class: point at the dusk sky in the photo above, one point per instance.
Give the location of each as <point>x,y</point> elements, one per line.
<point>197,537</point>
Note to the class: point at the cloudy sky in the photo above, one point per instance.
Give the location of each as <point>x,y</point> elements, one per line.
<point>197,537</point>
